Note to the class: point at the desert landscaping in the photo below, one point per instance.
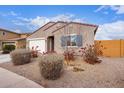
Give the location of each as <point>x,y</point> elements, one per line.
<point>108,73</point>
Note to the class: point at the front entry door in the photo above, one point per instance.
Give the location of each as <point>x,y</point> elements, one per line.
<point>50,43</point>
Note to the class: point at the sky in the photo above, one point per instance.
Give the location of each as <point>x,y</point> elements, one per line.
<point>27,18</point>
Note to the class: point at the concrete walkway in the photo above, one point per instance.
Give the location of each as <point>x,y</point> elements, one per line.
<point>5,58</point>
<point>11,80</point>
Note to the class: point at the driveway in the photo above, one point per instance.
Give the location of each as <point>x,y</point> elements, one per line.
<point>5,58</point>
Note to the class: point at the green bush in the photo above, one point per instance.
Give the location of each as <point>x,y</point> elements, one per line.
<point>51,66</point>
<point>20,56</point>
<point>8,48</point>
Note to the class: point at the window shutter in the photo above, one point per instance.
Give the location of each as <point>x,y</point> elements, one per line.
<point>79,40</point>
<point>63,41</point>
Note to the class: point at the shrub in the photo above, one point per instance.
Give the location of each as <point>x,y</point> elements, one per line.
<point>69,55</point>
<point>20,56</point>
<point>51,66</point>
<point>34,52</point>
<point>90,53</point>
<point>8,48</point>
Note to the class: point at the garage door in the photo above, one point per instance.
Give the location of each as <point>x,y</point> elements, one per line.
<point>40,43</point>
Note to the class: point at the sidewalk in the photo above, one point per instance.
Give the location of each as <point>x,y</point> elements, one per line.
<point>11,80</point>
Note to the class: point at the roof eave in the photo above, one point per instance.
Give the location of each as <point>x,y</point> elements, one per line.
<point>96,30</point>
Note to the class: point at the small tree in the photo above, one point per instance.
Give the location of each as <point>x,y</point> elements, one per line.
<point>90,53</point>
<point>69,55</point>
<point>34,52</point>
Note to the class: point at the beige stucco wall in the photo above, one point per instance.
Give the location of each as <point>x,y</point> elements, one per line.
<point>24,35</point>
<point>40,33</point>
<point>12,35</point>
<point>49,31</point>
<point>44,32</point>
<point>21,43</point>
<point>8,35</point>
<point>87,33</point>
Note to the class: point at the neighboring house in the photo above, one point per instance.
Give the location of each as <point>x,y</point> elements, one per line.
<point>57,36</point>
<point>12,38</point>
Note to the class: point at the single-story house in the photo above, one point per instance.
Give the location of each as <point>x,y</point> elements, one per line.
<point>57,36</point>
<point>12,38</point>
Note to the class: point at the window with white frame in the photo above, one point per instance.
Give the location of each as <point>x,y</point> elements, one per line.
<point>71,40</point>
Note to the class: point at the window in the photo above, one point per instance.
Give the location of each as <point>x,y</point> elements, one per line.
<point>71,40</point>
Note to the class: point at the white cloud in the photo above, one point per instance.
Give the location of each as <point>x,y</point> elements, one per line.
<point>34,23</point>
<point>67,18</point>
<point>119,9</point>
<point>24,19</point>
<point>106,12</point>
<point>16,30</point>
<point>100,8</point>
<point>39,21</point>
<point>110,31</point>
<point>11,13</point>
<point>63,17</point>
<point>17,22</point>
<point>114,7</point>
